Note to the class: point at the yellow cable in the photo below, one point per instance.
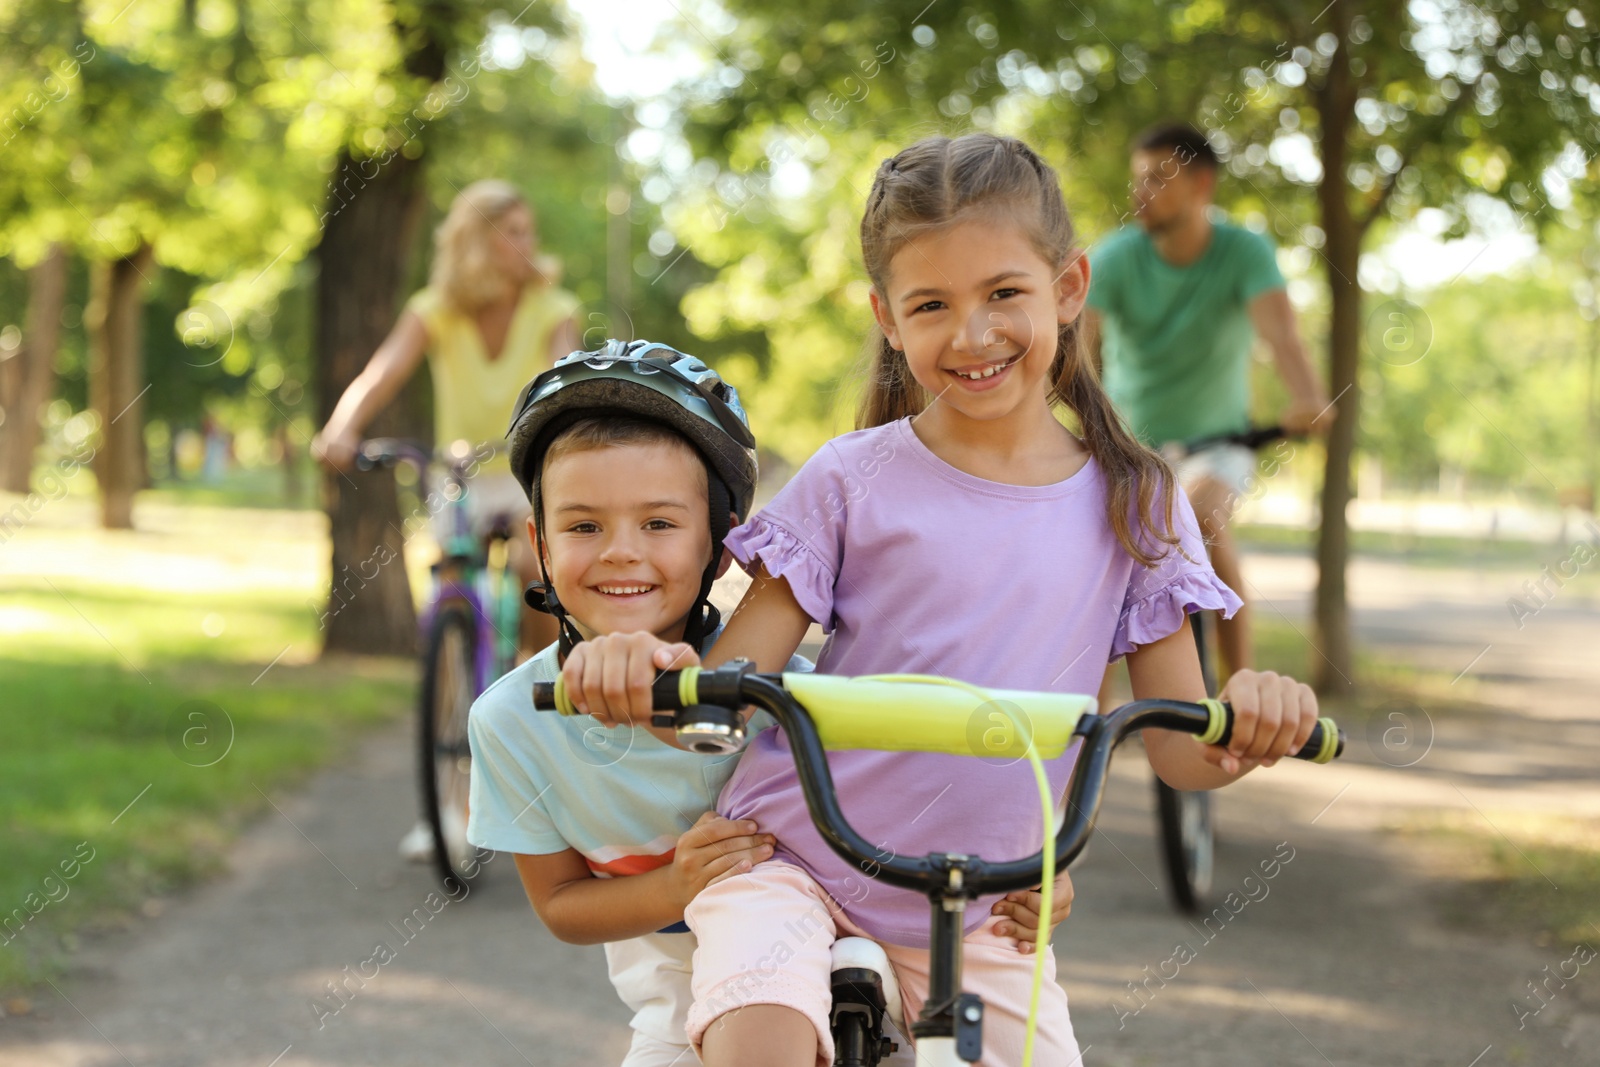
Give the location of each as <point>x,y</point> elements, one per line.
<point>1047,868</point>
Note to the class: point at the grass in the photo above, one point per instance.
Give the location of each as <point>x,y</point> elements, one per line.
<point>1420,550</point>
<point>1383,680</point>
<point>158,686</point>
<point>1539,874</point>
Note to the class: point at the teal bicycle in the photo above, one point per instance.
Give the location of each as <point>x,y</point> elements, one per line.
<point>469,630</point>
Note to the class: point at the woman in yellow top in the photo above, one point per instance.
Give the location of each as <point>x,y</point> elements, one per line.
<point>490,320</point>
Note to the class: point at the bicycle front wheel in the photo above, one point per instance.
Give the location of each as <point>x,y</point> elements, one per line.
<point>1188,838</point>
<point>444,762</point>
<point>1188,845</point>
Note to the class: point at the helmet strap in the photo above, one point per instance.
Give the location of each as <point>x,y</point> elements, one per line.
<point>541,595</point>
<point>704,617</point>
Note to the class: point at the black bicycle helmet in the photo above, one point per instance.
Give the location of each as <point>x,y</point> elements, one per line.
<point>652,381</point>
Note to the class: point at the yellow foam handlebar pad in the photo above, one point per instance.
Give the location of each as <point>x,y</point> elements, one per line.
<point>913,713</point>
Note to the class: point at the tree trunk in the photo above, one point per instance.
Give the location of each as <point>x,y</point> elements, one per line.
<point>1334,667</point>
<point>115,322</point>
<point>29,377</point>
<point>367,240</point>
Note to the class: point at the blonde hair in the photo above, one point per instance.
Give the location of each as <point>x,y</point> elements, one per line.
<point>464,272</point>
<point>939,182</point>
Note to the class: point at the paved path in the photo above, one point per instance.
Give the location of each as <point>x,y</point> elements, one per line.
<point>1339,959</point>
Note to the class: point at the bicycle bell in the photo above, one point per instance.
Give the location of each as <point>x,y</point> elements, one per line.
<point>710,730</point>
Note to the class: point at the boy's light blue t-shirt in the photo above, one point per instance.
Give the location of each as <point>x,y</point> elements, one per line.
<point>543,783</point>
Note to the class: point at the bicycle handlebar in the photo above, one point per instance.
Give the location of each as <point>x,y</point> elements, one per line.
<point>1254,439</point>
<point>818,712</point>
<point>387,451</point>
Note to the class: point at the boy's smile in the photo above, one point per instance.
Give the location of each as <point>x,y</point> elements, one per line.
<point>628,536</point>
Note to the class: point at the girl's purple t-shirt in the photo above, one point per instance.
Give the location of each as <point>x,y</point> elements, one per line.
<point>913,566</point>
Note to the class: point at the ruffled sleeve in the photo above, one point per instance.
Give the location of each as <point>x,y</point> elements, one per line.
<point>799,535</point>
<point>1160,599</point>
<point>766,544</point>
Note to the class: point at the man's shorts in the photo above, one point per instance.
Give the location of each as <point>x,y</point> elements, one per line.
<point>1234,466</point>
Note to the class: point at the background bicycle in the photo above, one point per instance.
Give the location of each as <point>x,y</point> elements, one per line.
<point>1187,832</point>
<point>469,629</point>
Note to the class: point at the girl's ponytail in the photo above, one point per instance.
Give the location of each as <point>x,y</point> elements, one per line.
<point>1132,472</point>
<point>892,393</point>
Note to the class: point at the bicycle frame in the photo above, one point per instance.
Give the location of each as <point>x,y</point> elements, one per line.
<point>462,574</point>
<point>468,634</point>
<point>949,1031</point>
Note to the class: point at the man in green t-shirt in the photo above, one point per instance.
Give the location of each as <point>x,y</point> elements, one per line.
<point>1175,303</point>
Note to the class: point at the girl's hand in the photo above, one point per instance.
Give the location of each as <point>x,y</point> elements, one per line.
<point>715,848</point>
<point>609,677</point>
<point>1272,717</point>
<point>1023,908</point>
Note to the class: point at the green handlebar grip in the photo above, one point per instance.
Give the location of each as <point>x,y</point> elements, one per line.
<point>1325,743</point>
<point>915,714</point>
<point>673,691</point>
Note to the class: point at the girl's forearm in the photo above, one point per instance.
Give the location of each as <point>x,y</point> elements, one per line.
<point>591,911</point>
<point>1177,758</point>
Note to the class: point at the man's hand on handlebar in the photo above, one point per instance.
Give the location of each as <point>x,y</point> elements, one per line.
<point>1022,907</point>
<point>609,677</point>
<point>1273,718</point>
<point>1305,418</point>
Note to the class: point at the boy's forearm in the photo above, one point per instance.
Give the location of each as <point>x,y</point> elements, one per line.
<point>591,911</point>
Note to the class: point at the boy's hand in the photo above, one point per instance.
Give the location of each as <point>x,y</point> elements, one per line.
<point>1023,908</point>
<point>715,848</point>
<point>1272,717</point>
<point>609,677</point>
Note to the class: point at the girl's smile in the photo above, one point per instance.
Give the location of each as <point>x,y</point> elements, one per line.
<point>982,376</point>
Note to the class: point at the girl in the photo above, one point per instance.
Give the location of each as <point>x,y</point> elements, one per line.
<point>964,531</point>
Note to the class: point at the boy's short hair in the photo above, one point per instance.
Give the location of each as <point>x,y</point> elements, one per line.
<point>609,431</point>
<point>1181,139</point>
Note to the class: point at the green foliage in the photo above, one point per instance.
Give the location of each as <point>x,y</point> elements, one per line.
<point>108,706</point>
<point>1502,395</point>
<point>1449,100</point>
<point>212,137</point>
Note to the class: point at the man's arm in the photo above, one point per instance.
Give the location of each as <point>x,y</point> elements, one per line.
<point>1274,319</point>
